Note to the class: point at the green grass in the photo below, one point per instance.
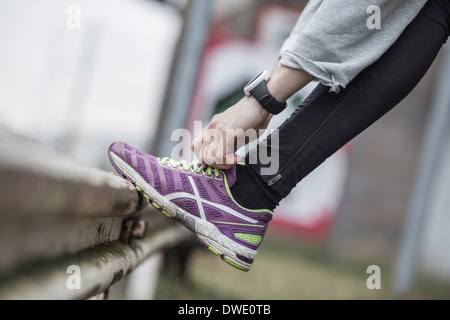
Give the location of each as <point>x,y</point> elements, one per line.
<point>286,269</point>
<point>280,272</point>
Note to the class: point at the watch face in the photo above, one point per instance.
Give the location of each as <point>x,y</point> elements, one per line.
<point>255,81</point>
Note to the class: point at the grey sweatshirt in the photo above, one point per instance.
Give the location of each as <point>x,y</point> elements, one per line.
<point>334,40</point>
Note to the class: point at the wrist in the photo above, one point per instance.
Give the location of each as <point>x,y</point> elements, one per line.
<point>249,102</point>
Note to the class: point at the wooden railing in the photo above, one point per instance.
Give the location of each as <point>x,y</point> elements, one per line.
<point>69,231</point>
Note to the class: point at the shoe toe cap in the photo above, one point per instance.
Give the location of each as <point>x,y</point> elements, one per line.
<point>117,148</point>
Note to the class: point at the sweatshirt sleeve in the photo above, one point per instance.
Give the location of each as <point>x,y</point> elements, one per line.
<point>334,40</point>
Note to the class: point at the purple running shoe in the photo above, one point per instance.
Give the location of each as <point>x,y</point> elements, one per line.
<point>199,197</point>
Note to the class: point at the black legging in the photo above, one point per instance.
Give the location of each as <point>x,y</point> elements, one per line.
<point>326,121</point>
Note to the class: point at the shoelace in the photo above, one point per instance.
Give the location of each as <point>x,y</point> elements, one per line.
<point>194,166</point>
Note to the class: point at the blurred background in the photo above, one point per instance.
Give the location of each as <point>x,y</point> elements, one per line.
<point>78,75</point>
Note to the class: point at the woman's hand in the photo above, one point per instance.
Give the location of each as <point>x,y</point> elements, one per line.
<point>242,123</point>
<point>228,131</point>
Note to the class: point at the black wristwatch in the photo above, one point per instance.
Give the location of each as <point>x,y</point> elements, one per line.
<point>257,87</point>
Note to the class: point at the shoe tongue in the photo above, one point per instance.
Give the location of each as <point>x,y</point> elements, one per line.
<point>231,175</point>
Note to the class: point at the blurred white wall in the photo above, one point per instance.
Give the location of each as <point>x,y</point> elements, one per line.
<point>80,74</point>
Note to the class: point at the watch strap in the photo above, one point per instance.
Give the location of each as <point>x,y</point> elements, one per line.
<point>267,101</point>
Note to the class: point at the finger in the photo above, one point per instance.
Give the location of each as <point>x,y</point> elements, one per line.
<point>219,145</point>
<point>197,147</point>
<point>238,158</point>
<point>199,140</point>
<point>213,154</point>
<point>223,150</point>
<point>202,143</point>
<point>193,145</point>
<point>214,157</point>
<point>208,154</point>
<point>231,160</point>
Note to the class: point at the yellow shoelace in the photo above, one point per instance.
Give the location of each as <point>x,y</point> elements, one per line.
<point>191,166</point>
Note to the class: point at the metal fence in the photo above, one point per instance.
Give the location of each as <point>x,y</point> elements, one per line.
<point>60,220</point>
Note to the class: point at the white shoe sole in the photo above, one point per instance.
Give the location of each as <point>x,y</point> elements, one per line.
<point>208,234</point>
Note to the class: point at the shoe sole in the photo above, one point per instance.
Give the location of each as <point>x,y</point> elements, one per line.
<point>207,233</point>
